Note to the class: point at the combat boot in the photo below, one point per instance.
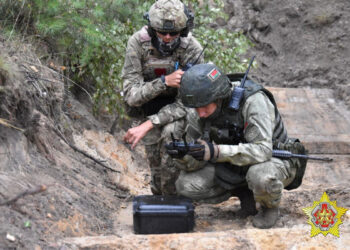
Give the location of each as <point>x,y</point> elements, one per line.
<point>266,218</point>
<point>248,205</point>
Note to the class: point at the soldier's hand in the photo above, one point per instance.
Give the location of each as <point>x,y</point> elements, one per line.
<point>188,164</point>
<point>173,80</point>
<point>208,152</point>
<point>135,134</point>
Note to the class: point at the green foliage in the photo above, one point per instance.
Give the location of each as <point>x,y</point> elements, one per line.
<point>91,37</point>
<point>224,47</point>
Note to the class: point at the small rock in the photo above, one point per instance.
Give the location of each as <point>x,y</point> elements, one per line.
<point>292,12</point>
<point>10,237</point>
<point>49,215</point>
<point>34,69</point>
<point>283,21</point>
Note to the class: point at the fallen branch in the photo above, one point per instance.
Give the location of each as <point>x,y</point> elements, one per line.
<point>59,133</point>
<point>7,123</point>
<point>31,191</point>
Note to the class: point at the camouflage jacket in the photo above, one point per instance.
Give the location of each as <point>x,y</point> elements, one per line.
<point>259,123</point>
<point>142,70</point>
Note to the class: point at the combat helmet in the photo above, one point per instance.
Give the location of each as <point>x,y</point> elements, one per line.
<point>203,84</point>
<point>168,16</point>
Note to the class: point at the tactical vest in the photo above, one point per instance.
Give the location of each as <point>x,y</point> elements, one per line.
<point>228,127</point>
<point>154,65</point>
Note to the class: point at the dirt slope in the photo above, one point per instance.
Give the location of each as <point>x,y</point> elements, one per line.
<point>297,43</point>
<point>81,194</point>
<point>217,226</point>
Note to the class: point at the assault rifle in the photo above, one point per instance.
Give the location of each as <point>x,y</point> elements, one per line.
<point>177,149</point>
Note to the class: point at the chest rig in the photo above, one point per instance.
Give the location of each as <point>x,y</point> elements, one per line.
<point>154,65</point>
<point>228,127</point>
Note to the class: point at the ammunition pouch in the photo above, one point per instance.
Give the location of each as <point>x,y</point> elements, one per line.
<point>296,147</point>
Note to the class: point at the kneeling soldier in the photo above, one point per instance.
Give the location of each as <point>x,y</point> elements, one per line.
<point>236,157</point>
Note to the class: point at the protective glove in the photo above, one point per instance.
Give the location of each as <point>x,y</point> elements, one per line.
<point>188,163</point>
<point>209,152</point>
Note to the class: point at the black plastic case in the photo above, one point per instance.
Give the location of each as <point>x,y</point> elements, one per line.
<point>162,214</point>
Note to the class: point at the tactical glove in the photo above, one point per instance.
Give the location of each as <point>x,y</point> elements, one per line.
<point>178,149</point>
<point>209,152</point>
<point>189,164</point>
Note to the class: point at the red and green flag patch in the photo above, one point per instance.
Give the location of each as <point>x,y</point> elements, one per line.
<point>214,74</point>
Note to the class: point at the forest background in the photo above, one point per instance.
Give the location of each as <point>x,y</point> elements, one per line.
<point>89,37</point>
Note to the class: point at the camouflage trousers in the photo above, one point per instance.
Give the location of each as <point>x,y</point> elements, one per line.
<point>163,171</point>
<point>266,180</point>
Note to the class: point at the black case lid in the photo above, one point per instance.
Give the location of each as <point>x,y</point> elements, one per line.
<point>151,204</point>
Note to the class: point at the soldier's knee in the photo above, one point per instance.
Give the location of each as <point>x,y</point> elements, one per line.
<point>183,186</point>
<point>256,177</point>
<point>261,180</point>
<point>191,187</point>
<point>179,185</point>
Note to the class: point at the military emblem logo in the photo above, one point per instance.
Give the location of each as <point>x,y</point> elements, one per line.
<point>214,74</point>
<point>324,216</point>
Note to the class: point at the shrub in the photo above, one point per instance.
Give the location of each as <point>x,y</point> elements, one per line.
<point>90,36</point>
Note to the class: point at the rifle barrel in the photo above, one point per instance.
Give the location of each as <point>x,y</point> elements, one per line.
<point>286,155</point>
<point>313,157</point>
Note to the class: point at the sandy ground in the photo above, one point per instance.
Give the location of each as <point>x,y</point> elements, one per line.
<point>299,44</point>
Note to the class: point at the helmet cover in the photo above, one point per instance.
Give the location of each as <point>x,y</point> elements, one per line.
<point>203,84</point>
<point>168,15</point>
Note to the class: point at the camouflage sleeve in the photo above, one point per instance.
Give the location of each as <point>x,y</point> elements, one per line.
<point>176,110</point>
<point>169,113</point>
<point>136,90</point>
<point>259,115</point>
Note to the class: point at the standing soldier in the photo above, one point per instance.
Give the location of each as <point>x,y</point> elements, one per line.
<point>235,158</point>
<point>151,78</point>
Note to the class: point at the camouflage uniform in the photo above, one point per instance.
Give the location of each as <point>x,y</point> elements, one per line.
<point>265,176</point>
<point>148,98</point>
<point>249,157</point>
